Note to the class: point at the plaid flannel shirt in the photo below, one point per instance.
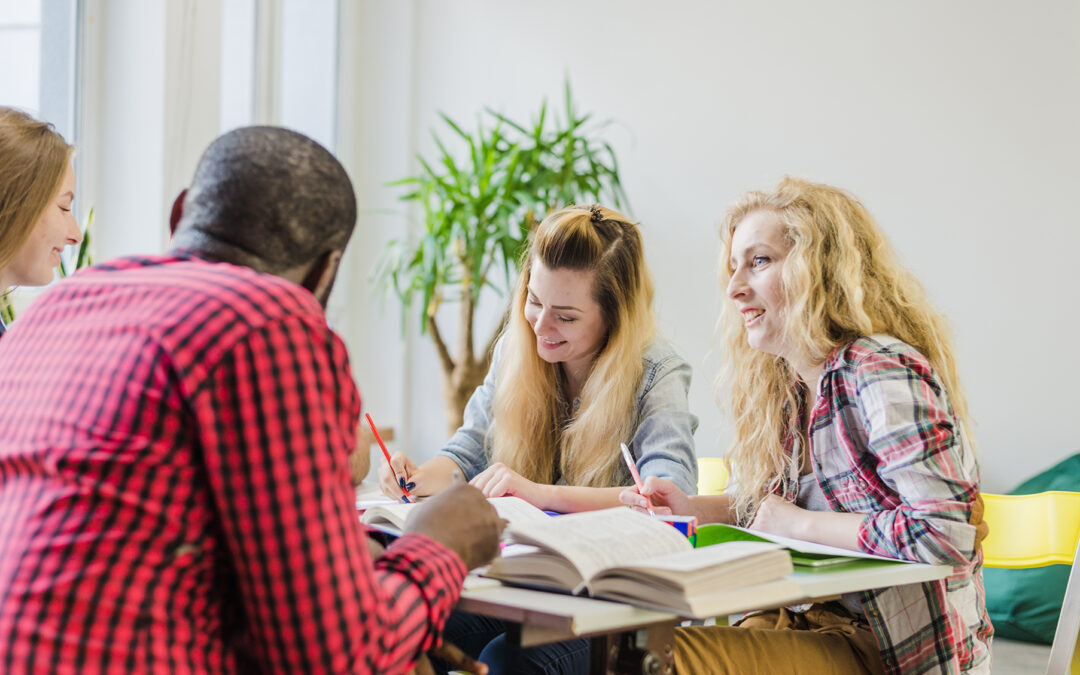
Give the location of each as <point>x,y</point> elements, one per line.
<point>885,442</point>
<point>174,490</point>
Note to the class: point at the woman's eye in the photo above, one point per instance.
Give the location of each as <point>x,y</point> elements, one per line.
<point>567,319</point>
<point>760,260</point>
<point>67,210</point>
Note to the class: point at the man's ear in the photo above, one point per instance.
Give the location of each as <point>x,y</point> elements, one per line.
<point>320,278</point>
<point>177,211</point>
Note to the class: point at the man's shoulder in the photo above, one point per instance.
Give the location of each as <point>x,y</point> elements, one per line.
<point>195,310</point>
<point>184,268</point>
<point>174,287</point>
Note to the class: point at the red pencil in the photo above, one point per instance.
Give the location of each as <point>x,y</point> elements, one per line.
<point>407,497</point>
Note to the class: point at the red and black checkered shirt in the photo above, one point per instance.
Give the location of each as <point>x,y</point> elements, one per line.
<point>174,491</point>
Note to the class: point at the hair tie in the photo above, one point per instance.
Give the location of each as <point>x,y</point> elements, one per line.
<point>595,215</point>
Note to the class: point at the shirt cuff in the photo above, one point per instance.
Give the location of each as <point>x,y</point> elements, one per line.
<point>869,541</point>
<point>437,571</point>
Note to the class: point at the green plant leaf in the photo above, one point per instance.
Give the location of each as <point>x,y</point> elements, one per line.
<point>83,259</point>
<point>478,207</point>
<point>506,120</point>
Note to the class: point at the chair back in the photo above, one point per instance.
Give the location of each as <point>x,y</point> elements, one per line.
<point>1033,531</point>
<point>712,475</point>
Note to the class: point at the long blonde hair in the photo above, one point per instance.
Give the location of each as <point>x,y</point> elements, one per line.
<point>841,281</point>
<point>529,433</point>
<point>33,158</point>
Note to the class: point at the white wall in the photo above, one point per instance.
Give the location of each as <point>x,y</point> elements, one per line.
<point>151,101</point>
<point>20,55</point>
<point>954,122</point>
<point>375,136</point>
<point>124,122</point>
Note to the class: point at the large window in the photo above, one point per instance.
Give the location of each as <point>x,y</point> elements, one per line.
<point>37,59</point>
<point>20,54</point>
<point>279,65</point>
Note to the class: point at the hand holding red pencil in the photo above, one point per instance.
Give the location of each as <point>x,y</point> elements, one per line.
<point>394,476</point>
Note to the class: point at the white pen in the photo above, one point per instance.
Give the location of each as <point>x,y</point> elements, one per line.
<point>634,472</point>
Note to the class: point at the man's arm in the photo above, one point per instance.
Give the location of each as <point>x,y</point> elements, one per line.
<point>277,418</point>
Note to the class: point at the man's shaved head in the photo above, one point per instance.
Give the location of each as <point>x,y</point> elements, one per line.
<point>268,198</point>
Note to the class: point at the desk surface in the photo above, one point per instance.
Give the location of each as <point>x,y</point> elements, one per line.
<point>548,617</point>
<point>862,575</point>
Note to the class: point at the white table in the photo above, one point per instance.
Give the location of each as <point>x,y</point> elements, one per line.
<point>624,638</point>
<point>627,639</point>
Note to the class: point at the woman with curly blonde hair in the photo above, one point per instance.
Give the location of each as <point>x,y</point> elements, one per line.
<point>37,186</point>
<point>851,429</point>
<point>579,370</point>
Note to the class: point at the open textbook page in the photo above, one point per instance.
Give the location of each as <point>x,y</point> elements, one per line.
<point>392,515</point>
<point>803,553</point>
<point>574,547</point>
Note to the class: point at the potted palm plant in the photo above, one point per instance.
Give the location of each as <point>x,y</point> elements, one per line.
<point>478,208</point>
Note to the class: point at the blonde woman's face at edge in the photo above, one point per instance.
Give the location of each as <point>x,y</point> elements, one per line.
<point>568,324</point>
<point>758,252</point>
<point>56,228</point>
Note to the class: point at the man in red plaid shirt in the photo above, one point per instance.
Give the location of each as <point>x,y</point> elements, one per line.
<point>174,432</point>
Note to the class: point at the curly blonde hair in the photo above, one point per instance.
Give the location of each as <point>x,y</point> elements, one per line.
<point>841,281</point>
<point>529,433</point>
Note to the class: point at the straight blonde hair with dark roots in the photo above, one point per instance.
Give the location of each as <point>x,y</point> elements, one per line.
<point>841,281</point>
<point>33,158</point>
<point>529,433</point>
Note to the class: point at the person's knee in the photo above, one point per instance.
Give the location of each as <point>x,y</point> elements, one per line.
<point>560,658</point>
<point>470,632</point>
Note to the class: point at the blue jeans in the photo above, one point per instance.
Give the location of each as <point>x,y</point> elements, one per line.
<point>485,639</point>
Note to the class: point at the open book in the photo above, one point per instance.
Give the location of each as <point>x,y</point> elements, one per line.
<point>803,553</point>
<point>628,556</point>
<point>391,517</point>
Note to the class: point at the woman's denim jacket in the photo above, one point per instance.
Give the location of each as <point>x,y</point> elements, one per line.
<point>663,439</point>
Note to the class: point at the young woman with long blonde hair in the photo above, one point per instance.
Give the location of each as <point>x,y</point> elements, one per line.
<point>37,186</point>
<point>851,429</point>
<point>579,370</point>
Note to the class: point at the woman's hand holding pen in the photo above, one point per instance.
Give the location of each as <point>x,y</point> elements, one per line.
<point>400,473</point>
<point>663,496</point>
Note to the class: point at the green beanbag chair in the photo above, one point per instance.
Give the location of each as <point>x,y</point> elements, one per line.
<point>1024,604</point>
